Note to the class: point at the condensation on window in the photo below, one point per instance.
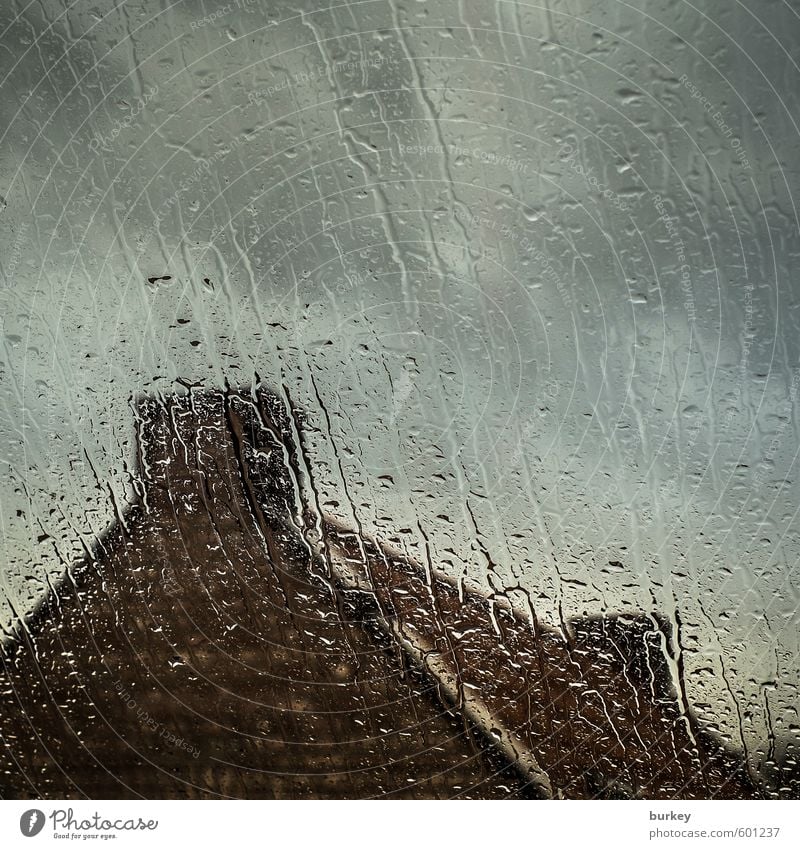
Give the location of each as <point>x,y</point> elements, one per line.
<point>433,365</point>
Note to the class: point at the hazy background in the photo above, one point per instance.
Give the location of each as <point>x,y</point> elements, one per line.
<point>529,267</point>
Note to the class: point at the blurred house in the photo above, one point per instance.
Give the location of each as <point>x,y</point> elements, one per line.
<point>227,639</point>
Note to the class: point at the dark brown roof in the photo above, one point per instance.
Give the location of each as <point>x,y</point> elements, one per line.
<point>226,640</point>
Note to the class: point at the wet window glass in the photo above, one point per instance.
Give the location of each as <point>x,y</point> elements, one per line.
<point>399,399</point>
